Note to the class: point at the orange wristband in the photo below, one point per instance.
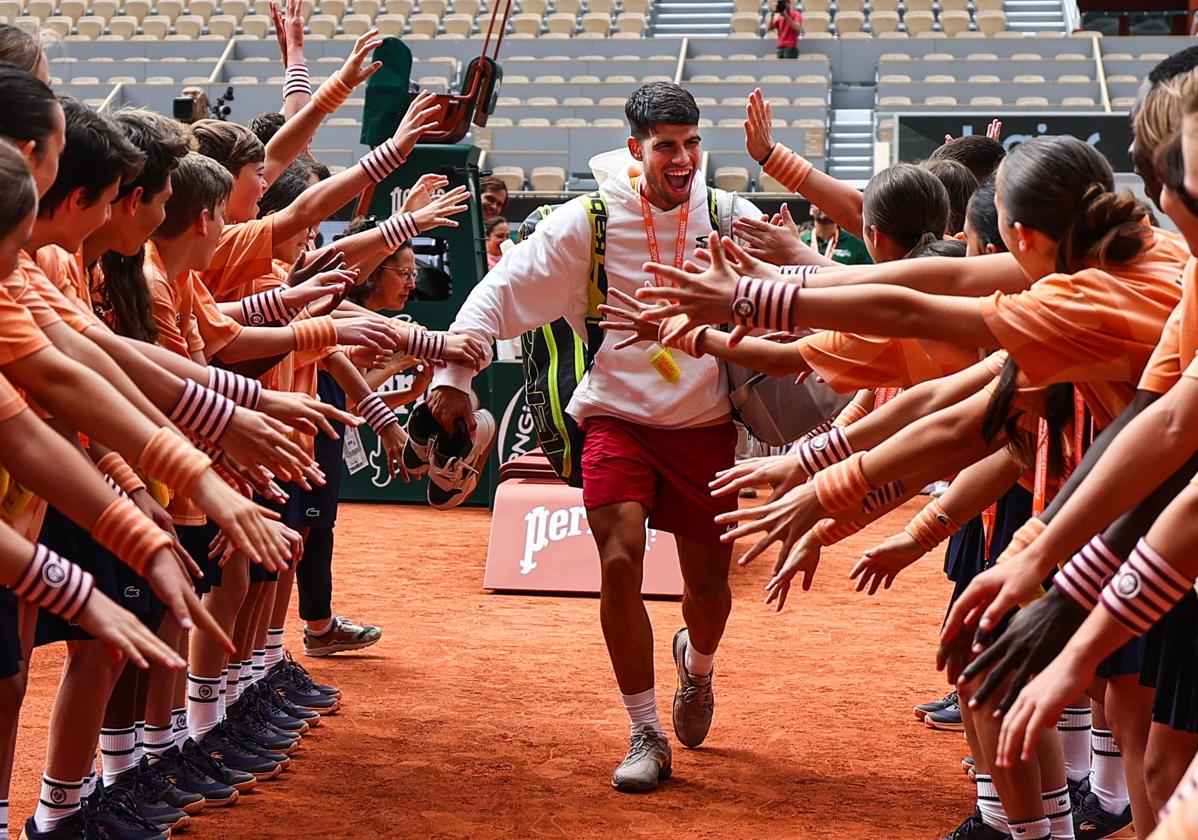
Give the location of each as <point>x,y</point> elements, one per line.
<point>116,468</point>
<point>931,526</point>
<point>331,95</point>
<point>314,333</point>
<point>853,412</point>
<point>129,534</point>
<point>787,167</point>
<point>687,342</point>
<point>173,461</point>
<point>1022,538</point>
<point>842,485</point>
<point>830,532</point>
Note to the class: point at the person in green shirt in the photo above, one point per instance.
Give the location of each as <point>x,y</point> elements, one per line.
<point>834,242</point>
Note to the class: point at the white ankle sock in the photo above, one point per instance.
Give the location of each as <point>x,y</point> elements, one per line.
<point>58,801</point>
<point>247,671</point>
<point>158,739</point>
<point>1107,781</point>
<point>1059,810</point>
<point>642,710</point>
<point>202,693</point>
<point>232,683</point>
<point>273,653</point>
<point>990,806</point>
<point>179,730</point>
<point>698,664</point>
<point>3,819</point>
<point>118,751</point>
<point>139,743</point>
<point>1031,830</point>
<point>1074,727</point>
<point>222,696</point>
<point>89,785</point>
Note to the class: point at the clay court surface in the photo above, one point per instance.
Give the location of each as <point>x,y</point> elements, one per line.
<point>488,716</point>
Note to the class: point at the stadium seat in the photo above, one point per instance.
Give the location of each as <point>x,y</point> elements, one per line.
<point>1078,102</point>
<point>389,25</point>
<point>730,122</point>
<point>814,6</point>
<point>747,22</point>
<point>988,5</point>
<point>984,79</point>
<point>631,22</point>
<point>458,24</point>
<point>222,25</point>
<point>73,9</point>
<point>527,24</point>
<point>547,179</point>
<point>104,9</point>
<point>585,79</point>
<point>991,22</point>
<point>398,7</point>
<point>815,22</point>
<point>1123,102</point>
<point>753,6</point>
<point>1123,79</point>
<point>1031,102</point>
<point>570,122</point>
<point>90,27</point>
<point>123,27</point>
<point>941,101</point>
<point>638,6</point>
<point>883,23</point>
<point>156,25</point>
<point>466,7</point>
<point>432,7</point>
<point>731,178</point>
<point>918,6</point>
<point>169,9</point>
<point>607,6</point>
<point>1074,78</point>
<point>534,7</point>
<point>499,122</point>
<point>549,79</point>
<point>160,80</point>
<point>424,24</point>
<point>60,26</point>
<point>768,184</point>
<point>561,23</point>
<point>607,122</point>
<point>895,79</point>
<point>512,176</point>
<point>849,22</point>
<point>918,22</point>
<point>1030,79</point>
<point>189,25</point>
<point>986,101</point>
<point>941,79</point>
<point>533,122</point>
<point>578,102</point>
<point>954,22</point>
<point>599,22</point>
<point>255,26</point>
<point>136,9</point>
<point>541,101</point>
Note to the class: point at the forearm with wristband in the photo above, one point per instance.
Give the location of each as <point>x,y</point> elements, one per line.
<point>240,389</point>
<point>267,309</point>
<point>129,534</point>
<point>764,303</point>
<point>932,526</point>
<point>375,412</point>
<point>1144,589</point>
<point>296,79</point>
<point>173,461</point>
<point>55,584</point>
<point>121,476</point>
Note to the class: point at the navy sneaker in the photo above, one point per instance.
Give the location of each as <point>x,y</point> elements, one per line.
<point>246,721</point>
<point>262,694</point>
<point>1090,822</point>
<point>166,790</point>
<point>924,709</point>
<point>299,689</point>
<point>147,790</point>
<point>113,813</point>
<point>189,778</point>
<point>216,770</point>
<point>229,750</point>
<point>947,719</point>
<point>73,827</point>
<point>299,672</point>
<point>975,829</point>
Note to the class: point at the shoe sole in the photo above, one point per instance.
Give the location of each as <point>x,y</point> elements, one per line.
<point>221,803</point>
<point>645,787</point>
<point>680,666</point>
<point>246,786</point>
<point>177,825</point>
<point>944,727</point>
<point>266,775</point>
<point>194,808</point>
<point>480,460</point>
<point>339,647</point>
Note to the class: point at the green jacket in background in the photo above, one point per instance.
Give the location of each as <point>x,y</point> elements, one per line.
<point>849,249</point>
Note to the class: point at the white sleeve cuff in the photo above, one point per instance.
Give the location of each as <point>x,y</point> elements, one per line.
<point>453,375</point>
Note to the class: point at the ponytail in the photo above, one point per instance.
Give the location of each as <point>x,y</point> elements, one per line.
<point>1058,414</point>
<point>125,296</point>
<point>907,204</point>
<point>1106,227</point>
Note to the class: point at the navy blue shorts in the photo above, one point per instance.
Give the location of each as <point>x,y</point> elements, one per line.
<point>10,634</point>
<point>196,541</point>
<point>318,507</point>
<point>289,512</point>
<point>966,556</point>
<point>1172,650</point>
<point>113,578</point>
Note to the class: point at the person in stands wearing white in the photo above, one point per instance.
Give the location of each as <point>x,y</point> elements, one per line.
<point>655,435</point>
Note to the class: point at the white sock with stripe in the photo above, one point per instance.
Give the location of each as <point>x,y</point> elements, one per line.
<point>274,648</point>
<point>118,751</point>
<point>1107,780</point>
<point>222,697</point>
<point>58,800</point>
<point>1039,829</point>
<point>202,693</point>
<point>1074,727</point>
<point>179,730</point>
<point>990,806</point>
<point>1060,813</point>
<point>89,784</point>
<point>158,739</point>
<point>642,710</point>
<point>3,819</point>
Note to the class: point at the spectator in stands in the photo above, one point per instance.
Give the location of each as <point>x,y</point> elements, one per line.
<point>833,242</point>
<point>497,232</point>
<point>267,125</point>
<point>494,196</point>
<point>980,155</point>
<point>788,22</point>
<point>961,185</point>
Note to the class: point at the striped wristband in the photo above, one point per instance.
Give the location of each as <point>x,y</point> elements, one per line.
<point>842,485</point>
<point>764,303</point>
<point>426,344</point>
<point>399,228</point>
<point>931,526</point>
<point>1087,572</point>
<point>119,474</point>
<point>883,496</point>
<point>331,95</point>
<point>824,450</point>
<point>853,412</point>
<point>240,389</point>
<point>202,411</point>
<point>1144,589</point>
<point>801,271</point>
<point>266,309</point>
<point>829,531</point>
<point>129,534</point>
<point>823,427</point>
<point>374,411</point>
<point>382,161</point>
<point>55,584</point>
<point>297,80</point>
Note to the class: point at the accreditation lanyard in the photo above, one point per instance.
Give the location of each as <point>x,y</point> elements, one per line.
<point>833,241</point>
<point>651,235</point>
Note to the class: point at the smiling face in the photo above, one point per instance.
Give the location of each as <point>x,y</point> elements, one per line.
<point>248,186</point>
<point>669,156</point>
<point>496,237</point>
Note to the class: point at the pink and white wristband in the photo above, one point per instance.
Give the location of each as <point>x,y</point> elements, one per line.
<point>375,412</point>
<point>55,584</point>
<point>764,303</point>
<point>1087,572</point>
<point>202,411</point>
<point>296,79</point>
<point>398,229</point>
<point>242,390</point>
<point>382,161</point>
<point>824,450</point>
<point>1144,589</point>
<point>802,271</point>
<point>267,309</point>
<point>426,344</point>
<point>883,496</point>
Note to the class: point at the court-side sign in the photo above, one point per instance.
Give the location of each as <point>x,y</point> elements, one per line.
<point>918,135</point>
<point>541,542</point>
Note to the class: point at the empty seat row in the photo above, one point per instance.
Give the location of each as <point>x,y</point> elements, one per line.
<point>897,102</point>
<point>982,78</point>
<point>914,22</point>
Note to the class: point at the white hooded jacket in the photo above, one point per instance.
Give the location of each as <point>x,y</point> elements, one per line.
<point>545,278</point>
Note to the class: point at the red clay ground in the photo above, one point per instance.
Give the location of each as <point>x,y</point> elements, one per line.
<point>496,716</point>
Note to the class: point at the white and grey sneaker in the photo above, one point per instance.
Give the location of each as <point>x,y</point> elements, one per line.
<point>456,462</point>
<point>648,763</point>
<point>694,702</point>
<point>422,427</point>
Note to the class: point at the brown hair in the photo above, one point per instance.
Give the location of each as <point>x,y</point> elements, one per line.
<point>18,189</point>
<point>19,48</point>
<point>1158,116</point>
<point>908,204</point>
<point>959,183</point>
<point>1064,188</point>
<point>199,183</point>
<point>229,144</point>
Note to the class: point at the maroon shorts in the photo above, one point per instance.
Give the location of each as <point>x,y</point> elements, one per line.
<point>665,470</point>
